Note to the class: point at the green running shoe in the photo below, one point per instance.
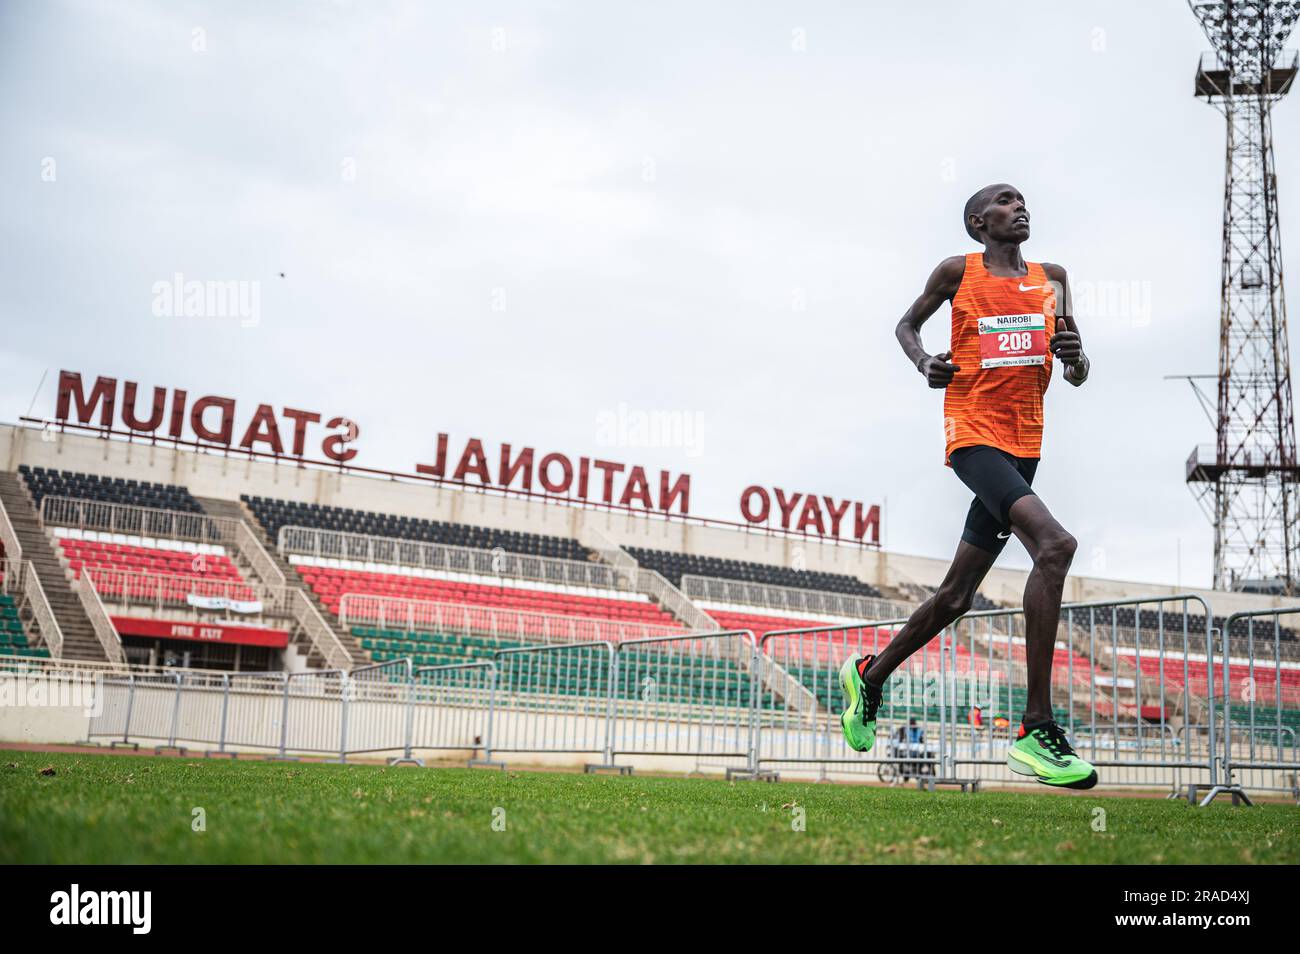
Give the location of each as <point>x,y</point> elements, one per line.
<point>1045,753</point>
<point>859,720</point>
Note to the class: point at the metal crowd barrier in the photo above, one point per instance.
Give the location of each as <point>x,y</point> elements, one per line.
<point>252,712</point>
<point>1259,706</point>
<point>452,708</point>
<point>155,709</point>
<point>1127,709</point>
<point>812,737</point>
<point>197,709</point>
<point>555,698</point>
<point>690,695</point>
<point>314,714</point>
<point>117,693</point>
<point>1148,690</point>
<point>378,700</point>
<point>952,709</point>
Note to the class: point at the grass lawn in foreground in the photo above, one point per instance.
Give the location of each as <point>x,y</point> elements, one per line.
<point>117,809</point>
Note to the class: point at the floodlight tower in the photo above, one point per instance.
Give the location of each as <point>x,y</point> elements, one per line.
<point>1249,484</point>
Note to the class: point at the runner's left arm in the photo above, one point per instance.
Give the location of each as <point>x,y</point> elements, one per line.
<point>1066,344</point>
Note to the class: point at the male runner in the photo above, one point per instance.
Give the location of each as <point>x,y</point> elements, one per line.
<point>1005,331</point>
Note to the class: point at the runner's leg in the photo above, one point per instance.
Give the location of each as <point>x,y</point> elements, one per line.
<point>950,602</point>
<point>1052,549</point>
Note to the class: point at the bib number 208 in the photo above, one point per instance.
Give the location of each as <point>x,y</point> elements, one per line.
<point>1012,340</point>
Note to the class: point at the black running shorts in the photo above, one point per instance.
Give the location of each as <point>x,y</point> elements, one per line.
<point>998,480</point>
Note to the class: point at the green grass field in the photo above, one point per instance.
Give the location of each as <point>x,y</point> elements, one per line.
<point>129,809</point>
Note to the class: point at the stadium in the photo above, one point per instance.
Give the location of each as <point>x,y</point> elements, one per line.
<point>224,617</point>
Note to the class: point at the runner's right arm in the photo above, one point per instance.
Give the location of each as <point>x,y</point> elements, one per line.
<point>942,286</point>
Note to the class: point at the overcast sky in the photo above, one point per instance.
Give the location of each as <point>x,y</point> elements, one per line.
<point>505,219</point>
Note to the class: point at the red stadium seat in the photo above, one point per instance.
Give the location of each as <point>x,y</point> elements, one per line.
<point>332,584</point>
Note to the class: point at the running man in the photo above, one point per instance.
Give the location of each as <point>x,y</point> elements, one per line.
<point>1006,330</point>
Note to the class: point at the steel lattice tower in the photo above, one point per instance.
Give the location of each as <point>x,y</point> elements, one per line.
<point>1248,485</point>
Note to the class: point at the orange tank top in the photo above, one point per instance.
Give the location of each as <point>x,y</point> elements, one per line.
<point>1000,330</point>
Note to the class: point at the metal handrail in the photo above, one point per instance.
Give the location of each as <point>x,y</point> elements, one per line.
<point>11,575</point>
<point>497,563</point>
<point>263,564</point>
<point>164,591</point>
<point>9,663</point>
<point>131,520</point>
<point>790,598</point>
<point>322,635</point>
<point>674,601</point>
<point>9,537</point>
<point>105,631</point>
<point>34,592</point>
<point>445,617</point>
<point>595,539</point>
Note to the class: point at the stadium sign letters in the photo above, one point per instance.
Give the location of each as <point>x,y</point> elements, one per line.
<point>591,480</point>
<point>600,481</point>
<point>823,517</point>
<point>211,419</point>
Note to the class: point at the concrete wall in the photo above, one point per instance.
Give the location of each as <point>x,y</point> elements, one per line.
<point>62,725</point>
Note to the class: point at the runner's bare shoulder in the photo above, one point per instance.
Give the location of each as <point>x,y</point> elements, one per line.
<point>946,278</point>
<point>1055,273</point>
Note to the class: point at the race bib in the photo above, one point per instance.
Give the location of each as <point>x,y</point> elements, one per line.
<point>1011,340</point>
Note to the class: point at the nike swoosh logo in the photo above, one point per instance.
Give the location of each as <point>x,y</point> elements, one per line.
<point>1029,287</point>
<point>1004,536</point>
<point>1039,756</point>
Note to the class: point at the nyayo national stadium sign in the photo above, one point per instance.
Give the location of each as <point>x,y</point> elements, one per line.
<point>210,420</point>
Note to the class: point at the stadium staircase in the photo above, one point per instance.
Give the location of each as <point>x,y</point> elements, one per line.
<point>79,639</point>
<point>235,510</point>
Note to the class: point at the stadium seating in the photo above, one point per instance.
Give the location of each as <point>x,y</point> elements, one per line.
<point>428,649</point>
<point>1065,664</point>
<point>673,566</point>
<point>758,625</point>
<point>168,575</point>
<point>274,514</point>
<point>837,637</point>
<point>678,679</point>
<point>96,554</point>
<point>13,638</point>
<point>1174,623</point>
<point>1267,718</point>
<point>54,483</point>
<point>331,584</point>
<point>1268,679</point>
